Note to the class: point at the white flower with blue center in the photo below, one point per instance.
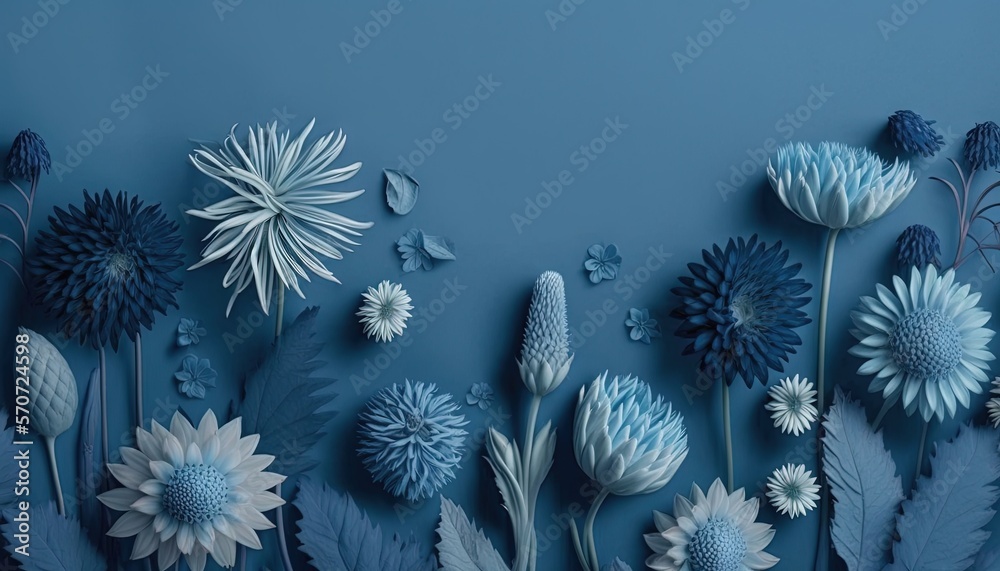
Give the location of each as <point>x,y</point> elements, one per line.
<point>924,343</point>
<point>793,490</point>
<point>385,311</point>
<point>993,405</point>
<point>714,532</point>
<point>793,405</point>
<point>193,492</point>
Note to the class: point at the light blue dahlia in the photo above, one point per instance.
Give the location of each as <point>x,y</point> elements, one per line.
<point>545,355</point>
<point>924,342</point>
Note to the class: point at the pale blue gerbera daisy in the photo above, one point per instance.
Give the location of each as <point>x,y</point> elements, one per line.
<point>192,491</point>
<point>714,532</point>
<point>925,343</point>
<point>272,230</point>
<point>793,490</point>
<point>385,311</point>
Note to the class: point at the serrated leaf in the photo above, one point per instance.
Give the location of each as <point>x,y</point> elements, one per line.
<point>89,459</point>
<point>338,536</point>
<point>866,489</point>
<point>8,467</point>
<point>941,526</point>
<point>56,543</point>
<point>463,546</point>
<point>439,247</point>
<point>616,565</point>
<point>284,403</point>
<point>400,191</point>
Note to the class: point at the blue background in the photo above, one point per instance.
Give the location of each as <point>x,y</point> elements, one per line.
<point>657,185</point>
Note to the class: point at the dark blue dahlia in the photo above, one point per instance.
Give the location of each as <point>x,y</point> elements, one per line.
<point>105,270</point>
<point>914,134</point>
<point>740,309</point>
<point>28,156</point>
<point>982,146</point>
<point>917,247</point>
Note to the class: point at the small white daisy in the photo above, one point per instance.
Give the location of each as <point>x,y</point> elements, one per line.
<point>793,490</point>
<point>793,405</point>
<point>993,405</point>
<point>385,311</point>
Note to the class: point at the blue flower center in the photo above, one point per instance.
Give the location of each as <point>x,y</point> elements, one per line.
<point>926,344</point>
<point>414,422</point>
<point>386,311</point>
<point>743,310</point>
<point>120,266</point>
<point>718,546</point>
<point>195,493</point>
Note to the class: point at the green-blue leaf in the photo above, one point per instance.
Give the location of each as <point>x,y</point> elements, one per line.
<point>400,191</point>
<point>57,543</point>
<point>941,526</point>
<point>616,565</point>
<point>864,483</point>
<point>464,547</point>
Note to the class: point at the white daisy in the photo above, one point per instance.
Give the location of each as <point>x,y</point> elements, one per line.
<point>793,405</point>
<point>793,490</point>
<point>192,492</point>
<point>993,405</point>
<point>385,311</point>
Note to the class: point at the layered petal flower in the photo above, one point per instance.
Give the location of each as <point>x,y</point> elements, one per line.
<point>385,311</point>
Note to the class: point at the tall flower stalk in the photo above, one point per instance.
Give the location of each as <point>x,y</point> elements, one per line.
<point>27,159</point>
<point>544,363</point>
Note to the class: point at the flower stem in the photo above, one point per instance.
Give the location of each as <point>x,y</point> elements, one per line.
<point>920,451</point>
<point>279,515</point>
<point>588,529</point>
<point>50,448</point>
<point>527,560</point>
<point>138,380</point>
<point>103,376</point>
<point>728,432</point>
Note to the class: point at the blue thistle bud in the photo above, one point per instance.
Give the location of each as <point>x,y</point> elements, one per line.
<point>545,356</point>
<point>28,156</point>
<point>982,146</point>
<point>917,247</point>
<point>914,134</point>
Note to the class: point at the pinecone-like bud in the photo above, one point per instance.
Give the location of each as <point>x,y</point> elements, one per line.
<point>52,389</point>
<point>545,355</point>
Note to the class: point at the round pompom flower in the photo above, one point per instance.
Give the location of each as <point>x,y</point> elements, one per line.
<point>385,311</point>
<point>982,146</point>
<point>793,405</point>
<point>914,134</point>
<point>917,247</point>
<point>545,355</point>
<point>740,309</point>
<point>838,186</point>
<point>105,270</point>
<point>411,439</point>
<point>193,492</point>
<point>714,532</point>
<point>793,490</point>
<point>624,439</point>
<point>28,156</point>
<point>924,343</point>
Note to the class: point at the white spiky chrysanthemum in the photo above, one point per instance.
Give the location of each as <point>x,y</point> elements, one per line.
<point>993,405</point>
<point>793,491</point>
<point>385,311</point>
<point>793,405</point>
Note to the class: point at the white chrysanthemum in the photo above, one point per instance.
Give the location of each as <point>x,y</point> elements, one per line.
<point>385,311</point>
<point>993,405</point>
<point>192,492</point>
<point>717,532</point>
<point>793,490</point>
<point>793,405</point>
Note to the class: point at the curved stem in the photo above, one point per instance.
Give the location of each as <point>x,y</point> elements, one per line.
<point>50,448</point>
<point>577,546</point>
<point>20,191</point>
<point>138,380</point>
<point>279,314</point>
<point>588,529</point>
<point>20,220</point>
<point>279,513</point>
<point>728,431</point>
<point>920,451</point>
<point>16,272</point>
<point>103,375</point>
<point>881,414</point>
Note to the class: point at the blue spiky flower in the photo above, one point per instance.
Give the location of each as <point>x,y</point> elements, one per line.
<point>982,146</point>
<point>28,156</point>
<point>917,247</point>
<point>105,270</point>
<point>545,355</point>
<point>411,439</point>
<point>740,309</point>
<point>914,134</point>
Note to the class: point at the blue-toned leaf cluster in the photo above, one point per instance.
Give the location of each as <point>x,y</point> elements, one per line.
<point>285,403</point>
<point>463,546</point>
<point>57,543</point>
<point>338,536</point>
<point>419,250</point>
<point>914,134</point>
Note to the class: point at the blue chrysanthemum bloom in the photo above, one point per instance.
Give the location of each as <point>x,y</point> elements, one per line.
<point>28,156</point>
<point>713,532</point>
<point>740,309</point>
<point>838,186</point>
<point>914,134</point>
<point>106,270</point>
<point>924,343</point>
<point>917,247</point>
<point>545,355</point>
<point>982,146</point>
<point>411,439</point>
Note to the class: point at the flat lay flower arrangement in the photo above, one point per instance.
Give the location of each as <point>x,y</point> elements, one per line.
<point>205,491</point>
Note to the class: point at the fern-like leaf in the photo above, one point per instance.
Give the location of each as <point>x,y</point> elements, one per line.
<point>338,536</point>
<point>463,546</point>
<point>942,524</point>
<point>864,483</point>
<point>284,403</point>
<point>56,543</point>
